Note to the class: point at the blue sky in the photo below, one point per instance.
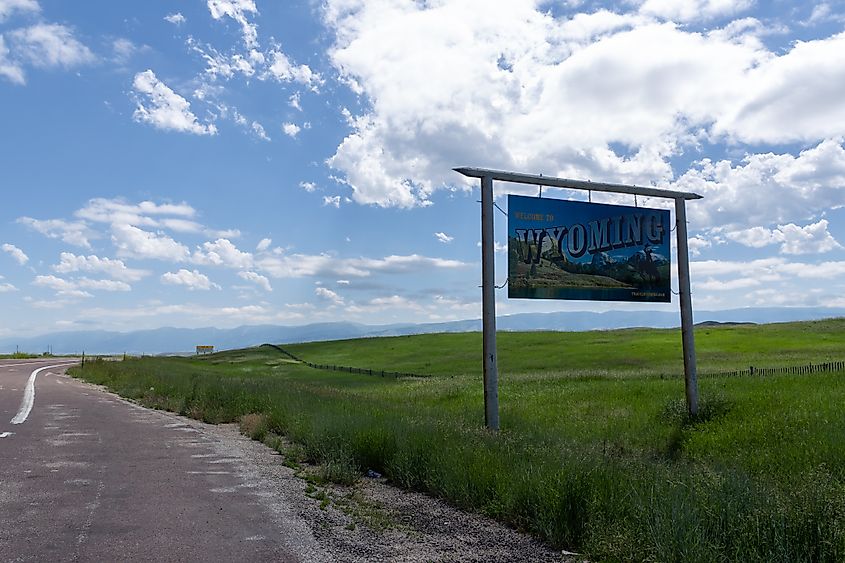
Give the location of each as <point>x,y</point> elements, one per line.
<point>229,162</point>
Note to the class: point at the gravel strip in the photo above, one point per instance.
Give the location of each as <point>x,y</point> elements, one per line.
<point>370,521</point>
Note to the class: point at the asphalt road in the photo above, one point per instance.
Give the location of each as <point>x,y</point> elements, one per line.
<point>90,477</point>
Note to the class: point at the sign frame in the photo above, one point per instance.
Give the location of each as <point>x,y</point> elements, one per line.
<point>488,298</point>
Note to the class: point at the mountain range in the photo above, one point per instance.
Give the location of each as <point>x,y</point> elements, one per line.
<point>184,340</point>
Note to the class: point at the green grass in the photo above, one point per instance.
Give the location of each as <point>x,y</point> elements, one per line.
<point>22,356</point>
<point>596,453</point>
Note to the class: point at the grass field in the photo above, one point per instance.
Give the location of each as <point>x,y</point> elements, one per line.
<point>595,455</point>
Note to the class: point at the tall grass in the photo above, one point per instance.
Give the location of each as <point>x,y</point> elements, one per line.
<point>607,465</point>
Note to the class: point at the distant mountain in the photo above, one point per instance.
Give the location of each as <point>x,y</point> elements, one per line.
<point>181,340</point>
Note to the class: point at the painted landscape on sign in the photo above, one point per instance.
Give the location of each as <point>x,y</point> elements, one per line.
<point>560,249</point>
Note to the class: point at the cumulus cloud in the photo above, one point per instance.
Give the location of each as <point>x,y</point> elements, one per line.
<point>103,210</point>
<point>810,239</point>
<point>191,279</point>
<point>61,286</point>
<point>330,266</point>
<point>115,269</point>
<point>134,242</point>
<point>165,109</point>
<point>175,18</point>
<point>9,7</point>
<point>257,279</point>
<point>16,253</point>
<point>626,92</point>
<point>443,237</point>
<point>308,186</point>
<point>8,68</point>
<point>76,233</point>
<point>76,287</point>
<point>239,11</point>
<point>766,188</point>
<point>328,295</point>
<point>282,69</point>
<point>48,45</point>
<point>43,45</point>
<point>263,245</point>
<point>6,287</point>
<point>691,10</point>
<point>222,253</point>
<point>291,129</point>
<point>333,201</point>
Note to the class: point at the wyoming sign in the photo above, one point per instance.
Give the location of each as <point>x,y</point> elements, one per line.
<point>589,251</point>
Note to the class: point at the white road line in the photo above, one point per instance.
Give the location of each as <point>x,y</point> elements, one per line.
<point>29,394</point>
<point>5,434</point>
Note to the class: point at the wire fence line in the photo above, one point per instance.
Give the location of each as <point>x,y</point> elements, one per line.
<point>797,370</point>
<point>347,369</point>
<point>750,371</point>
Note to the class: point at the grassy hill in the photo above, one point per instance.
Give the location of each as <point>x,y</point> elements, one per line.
<point>596,453</point>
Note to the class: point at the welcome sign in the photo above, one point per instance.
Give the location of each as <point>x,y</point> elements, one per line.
<point>561,249</point>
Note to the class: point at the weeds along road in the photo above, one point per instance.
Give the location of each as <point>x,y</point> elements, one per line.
<point>86,476</point>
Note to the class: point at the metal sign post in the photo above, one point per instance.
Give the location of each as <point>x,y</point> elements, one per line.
<point>487,176</point>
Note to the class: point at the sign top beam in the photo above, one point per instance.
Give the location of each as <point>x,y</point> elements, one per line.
<point>551,181</point>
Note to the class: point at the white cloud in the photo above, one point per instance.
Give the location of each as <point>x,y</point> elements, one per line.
<point>308,186</point>
<point>769,269</point>
<point>8,7</point>
<point>328,295</point>
<point>443,237</point>
<point>291,129</point>
<point>222,253</point>
<point>333,201</point>
<point>792,97</point>
<point>696,244</point>
<point>294,101</point>
<point>11,70</point>
<point>7,288</point>
<point>165,108</point>
<point>605,80</point>
<point>176,18</point>
<point>191,279</point>
<point>810,239</point>
<point>691,10</point>
<point>50,45</point>
<point>263,245</point>
<point>283,70</point>
<point>76,233</point>
<point>329,266</point>
<point>103,285</point>
<point>238,10</point>
<point>116,269</point>
<point>123,50</point>
<point>133,242</point>
<point>259,131</point>
<point>53,282</point>
<point>104,210</point>
<point>766,188</point>
<point>258,279</point>
<point>177,217</point>
<point>729,285</point>
<point>62,287</point>
<point>16,253</point>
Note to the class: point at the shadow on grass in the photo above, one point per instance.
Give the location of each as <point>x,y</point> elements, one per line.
<point>675,413</point>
